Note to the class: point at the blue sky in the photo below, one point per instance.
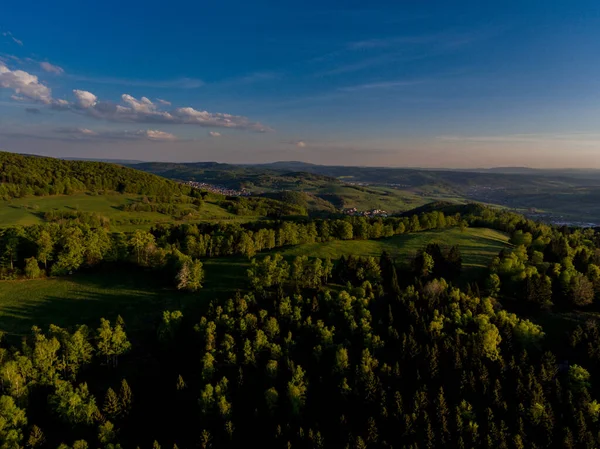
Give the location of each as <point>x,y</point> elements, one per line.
<point>405,83</point>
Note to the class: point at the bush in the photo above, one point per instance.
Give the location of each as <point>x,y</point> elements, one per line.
<point>32,269</point>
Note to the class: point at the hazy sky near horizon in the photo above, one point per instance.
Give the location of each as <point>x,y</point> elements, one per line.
<point>398,83</point>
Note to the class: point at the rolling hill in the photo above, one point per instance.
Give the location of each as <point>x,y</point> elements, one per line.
<point>555,196</point>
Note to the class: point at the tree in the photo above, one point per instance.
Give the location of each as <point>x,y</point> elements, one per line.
<point>190,276</point>
<point>45,357</point>
<point>36,437</point>
<point>493,284</point>
<point>80,444</point>
<point>344,230</point>
<point>538,290</point>
<point>106,432</point>
<point>70,256</point>
<point>424,264</point>
<point>581,290</point>
<point>341,359</point>
<point>142,244</point>
<point>32,269</point>
<point>297,390</point>
<point>268,272</point>
<point>579,377</point>
<point>327,269</point>
<point>489,338</point>
<point>10,246</point>
<point>126,397</point>
<point>74,405</point>
<point>112,405</point>
<point>112,342</point>
<point>414,224</point>
<point>272,399</point>
<point>12,422</point>
<point>454,261</point>
<point>77,350</point>
<point>170,324</point>
<point>45,247</point>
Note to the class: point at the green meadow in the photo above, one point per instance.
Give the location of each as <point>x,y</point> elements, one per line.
<point>477,245</point>
<point>135,294</point>
<point>30,210</point>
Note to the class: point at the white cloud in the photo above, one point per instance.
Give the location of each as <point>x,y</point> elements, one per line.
<point>163,102</point>
<point>214,134</point>
<point>301,144</point>
<point>85,99</point>
<point>88,132</point>
<point>142,105</point>
<point>51,68</point>
<point>144,111</point>
<point>25,85</point>
<point>155,134</point>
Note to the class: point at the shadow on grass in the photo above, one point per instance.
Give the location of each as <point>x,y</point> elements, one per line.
<point>139,296</point>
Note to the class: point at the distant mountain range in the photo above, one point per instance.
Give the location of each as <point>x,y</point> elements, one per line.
<point>307,166</point>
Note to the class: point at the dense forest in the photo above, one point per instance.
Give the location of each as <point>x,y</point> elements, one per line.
<point>32,175</point>
<point>359,352</point>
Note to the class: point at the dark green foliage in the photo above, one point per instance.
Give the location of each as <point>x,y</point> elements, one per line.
<point>32,175</point>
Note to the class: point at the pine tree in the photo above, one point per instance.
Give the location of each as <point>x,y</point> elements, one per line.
<point>568,441</point>
<point>442,417</point>
<point>180,383</point>
<point>205,439</point>
<point>36,437</point>
<point>372,433</point>
<point>125,397</point>
<point>112,405</point>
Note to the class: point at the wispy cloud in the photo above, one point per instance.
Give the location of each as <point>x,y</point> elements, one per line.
<point>360,65</point>
<point>580,138</point>
<point>10,36</point>
<point>214,134</point>
<point>86,134</point>
<point>251,78</point>
<point>163,102</point>
<point>178,83</point>
<point>382,85</point>
<point>447,39</point>
<point>365,54</point>
<point>51,68</point>
<point>296,143</point>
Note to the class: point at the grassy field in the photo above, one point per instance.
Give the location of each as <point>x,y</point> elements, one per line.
<point>137,295</point>
<point>140,298</point>
<point>27,211</point>
<point>477,245</point>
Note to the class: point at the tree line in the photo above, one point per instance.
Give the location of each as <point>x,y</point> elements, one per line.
<point>75,240</point>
